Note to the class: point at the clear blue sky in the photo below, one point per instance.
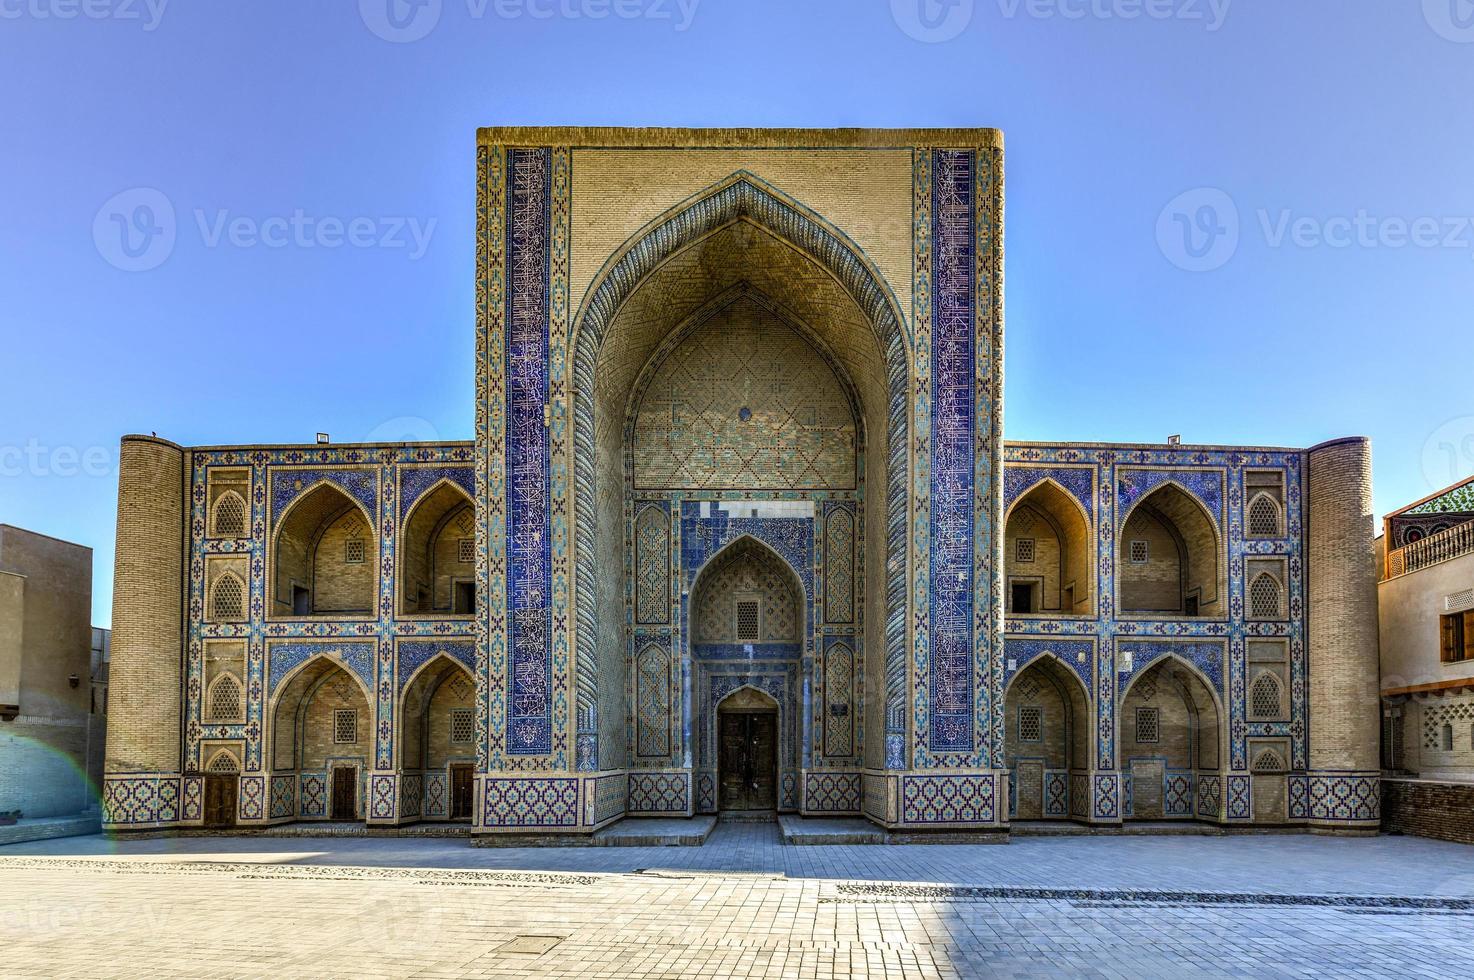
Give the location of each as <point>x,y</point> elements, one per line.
<point>1350,117</point>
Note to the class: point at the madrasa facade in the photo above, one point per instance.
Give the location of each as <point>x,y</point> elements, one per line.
<point>739,533</point>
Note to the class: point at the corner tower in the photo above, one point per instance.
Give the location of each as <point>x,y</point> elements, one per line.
<point>1342,792</point>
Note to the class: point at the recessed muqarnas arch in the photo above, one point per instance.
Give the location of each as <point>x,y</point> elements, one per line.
<point>741,197</point>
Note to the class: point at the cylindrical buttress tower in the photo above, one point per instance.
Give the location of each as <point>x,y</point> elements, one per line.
<point>145,680</point>
<point>1343,792</point>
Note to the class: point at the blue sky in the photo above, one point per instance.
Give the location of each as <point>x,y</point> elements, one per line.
<point>1238,220</point>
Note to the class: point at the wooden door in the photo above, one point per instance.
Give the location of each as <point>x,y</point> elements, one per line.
<point>220,800</point>
<point>460,792</point>
<point>748,760</point>
<point>345,793</point>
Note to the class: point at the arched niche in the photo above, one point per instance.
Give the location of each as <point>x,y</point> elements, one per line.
<point>1049,554</point>
<point>1171,732</point>
<point>1047,735</point>
<point>1170,560</point>
<point>437,563</point>
<point>325,557</point>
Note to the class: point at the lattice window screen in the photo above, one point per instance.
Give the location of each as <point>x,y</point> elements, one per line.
<point>1025,549</point>
<point>748,625</point>
<point>353,551</point>
<point>230,515</point>
<point>1264,696</point>
<point>1140,553</point>
<point>462,725</point>
<point>1030,723</point>
<point>225,699</point>
<point>1264,597</point>
<point>1268,760</point>
<point>345,726</point>
<point>1264,518</point>
<point>1148,725</point>
<point>466,550</point>
<point>229,598</point>
<point>223,762</point>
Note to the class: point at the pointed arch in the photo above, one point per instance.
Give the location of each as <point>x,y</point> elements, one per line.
<point>1265,597</point>
<point>1264,517</point>
<point>1189,739</point>
<point>714,560</point>
<point>435,569</point>
<point>1047,715</point>
<point>418,726</point>
<point>1266,696</point>
<point>749,691</point>
<point>223,761</point>
<point>287,707</point>
<point>228,598</point>
<point>740,201</point>
<point>1067,586</point>
<point>229,516</point>
<point>298,536</point>
<point>1192,575</point>
<point>223,699</point>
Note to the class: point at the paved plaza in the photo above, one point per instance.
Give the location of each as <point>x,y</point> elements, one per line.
<point>744,904</point>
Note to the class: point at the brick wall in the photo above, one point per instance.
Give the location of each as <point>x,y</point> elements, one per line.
<point>1423,808</point>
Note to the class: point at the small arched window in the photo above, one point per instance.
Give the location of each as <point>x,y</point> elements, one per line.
<point>229,517</point>
<point>1268,760</point>
<point>228,598</point>
<point>223,761</point>
<point>1264,696</point>
<point>225,699</point>
<point>1264,597</point>
<point>1264,517</point>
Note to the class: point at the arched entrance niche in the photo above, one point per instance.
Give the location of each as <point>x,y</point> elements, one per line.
<point>748,629</point>
<point>1049,554</point>
<point>437,570</point>
<point>325,557</point>
<point>740,259</point>
<point>1170,560</point>
<point>437,737</point>
<point>1047,733</point>
<point>1171,733</point>
<point>322,731</point>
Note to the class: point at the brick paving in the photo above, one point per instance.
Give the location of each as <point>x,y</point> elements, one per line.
<point>742,905</point>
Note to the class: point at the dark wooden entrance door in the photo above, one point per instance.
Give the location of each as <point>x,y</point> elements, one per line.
<point>460,792</point>
<point>748,760</point>
<point>220,800</point>
<point>345,793</point>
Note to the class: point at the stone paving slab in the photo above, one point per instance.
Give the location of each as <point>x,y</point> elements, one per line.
<point>742,905</point>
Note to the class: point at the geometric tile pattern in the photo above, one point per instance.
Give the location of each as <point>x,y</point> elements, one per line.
<point>948,799</point>
<point>832,792</point>
<point>531,802</point>
<point>658,792</point>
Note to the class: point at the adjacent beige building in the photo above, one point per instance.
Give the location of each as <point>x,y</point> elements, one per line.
<point>52,683</point>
